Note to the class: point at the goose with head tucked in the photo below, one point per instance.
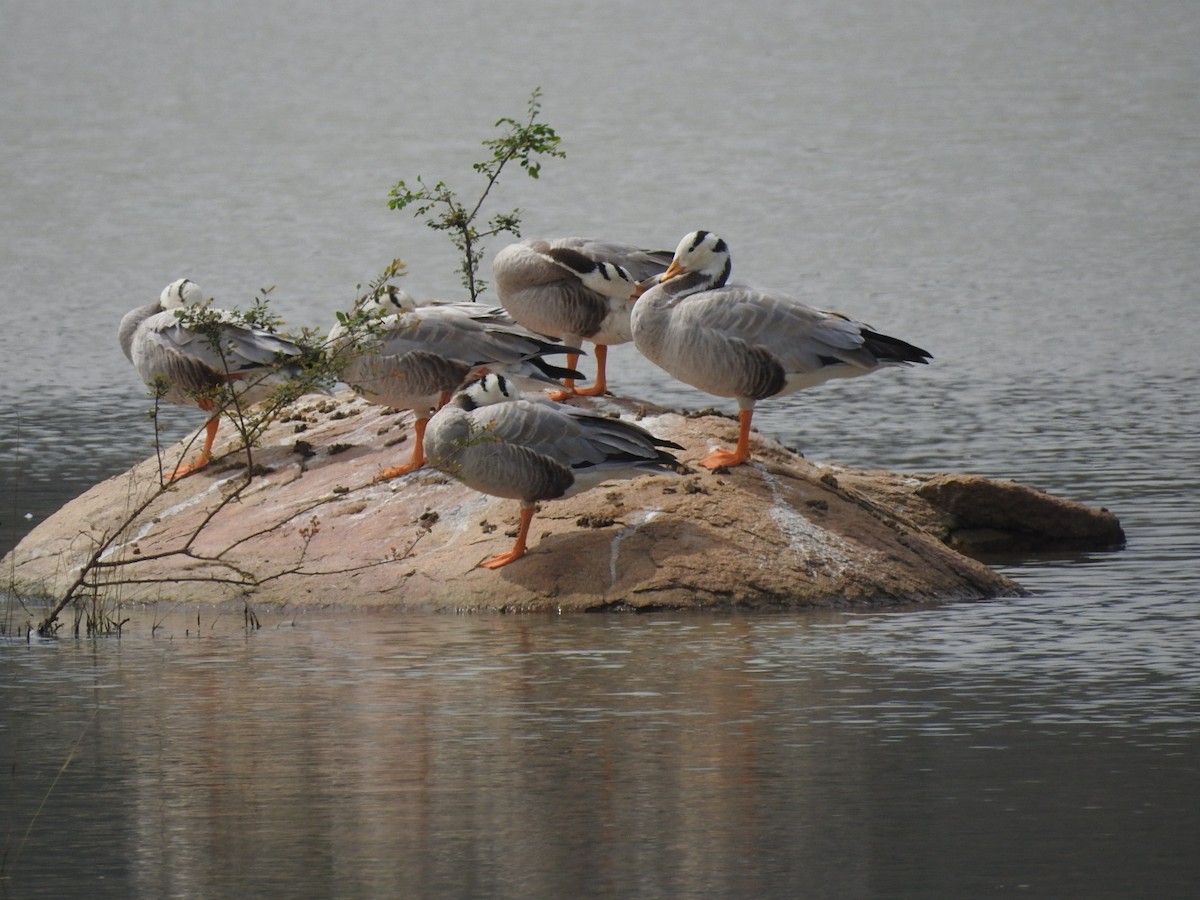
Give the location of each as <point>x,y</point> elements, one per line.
<point>208,365</point>
<point>575,289</point>
<point>410,355</point>
<point>498,443</point>
<point>746,343</point>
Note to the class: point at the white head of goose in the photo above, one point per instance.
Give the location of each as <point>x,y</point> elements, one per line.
<point>413,355</point>
<point>492,440</point>
<point>747,343</point>
<point>193,366</point>
<point>576,289</point>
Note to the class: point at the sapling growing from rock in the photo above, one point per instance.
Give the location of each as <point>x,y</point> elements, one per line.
<point>523,142</point>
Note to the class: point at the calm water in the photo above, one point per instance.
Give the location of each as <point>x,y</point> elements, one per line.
<point>949,753</point>
<point>1013,186</point>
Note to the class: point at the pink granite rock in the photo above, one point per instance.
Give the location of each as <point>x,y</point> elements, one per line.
<point>315,528</point>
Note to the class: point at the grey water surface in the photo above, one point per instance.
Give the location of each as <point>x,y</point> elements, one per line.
<point>1013,186</point>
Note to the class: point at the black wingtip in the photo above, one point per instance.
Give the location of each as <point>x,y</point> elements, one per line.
<point>889,349</point>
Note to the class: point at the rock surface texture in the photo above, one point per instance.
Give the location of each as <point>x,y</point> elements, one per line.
<point>313,527</point>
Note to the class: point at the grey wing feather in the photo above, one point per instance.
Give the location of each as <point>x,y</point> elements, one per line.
<point>478,340</point>
<point>567,435</point>
<point>799,336</point>
<point>230,347</point>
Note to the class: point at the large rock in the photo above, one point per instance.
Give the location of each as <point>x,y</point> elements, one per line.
<point>312,527</point>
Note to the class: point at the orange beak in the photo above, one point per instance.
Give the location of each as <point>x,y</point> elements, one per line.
<point>672,270</point>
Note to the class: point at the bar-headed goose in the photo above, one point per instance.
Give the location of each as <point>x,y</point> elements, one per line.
<point>491,440</point>
<point>413,356</point>
<point>746,343</point>
<point>193,365</point>
<point>575,289</point>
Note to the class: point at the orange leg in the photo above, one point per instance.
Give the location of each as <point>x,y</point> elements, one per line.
<point>724,458</point>
<point>518,550</point>
<point>418,455</point>
<point>568,383</point>
<point>600,385</point>
<point>210,435</point>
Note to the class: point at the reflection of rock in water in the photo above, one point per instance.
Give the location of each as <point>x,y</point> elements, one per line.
<point>777,533</point>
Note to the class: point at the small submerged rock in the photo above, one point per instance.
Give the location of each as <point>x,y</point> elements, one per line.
<point>992,516</point>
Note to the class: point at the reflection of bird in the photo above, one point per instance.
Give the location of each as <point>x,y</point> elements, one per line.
<point>575,289</point>
<point>193,364</point>
<point>746,343</point>
<point>412,356</point>
<point>529,449</point>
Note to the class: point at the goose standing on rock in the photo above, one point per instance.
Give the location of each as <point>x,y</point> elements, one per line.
<point>746,343</point>
<point>575,289</point>
<point>491,440</point>
<point>194,364</point>
<point>412,356</point>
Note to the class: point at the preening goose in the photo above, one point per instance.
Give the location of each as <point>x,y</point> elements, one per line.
<point>576,289</point>
<point>412,356</point>
<point>746,343</point>
<point>194,365</point>
<point>530,449</point>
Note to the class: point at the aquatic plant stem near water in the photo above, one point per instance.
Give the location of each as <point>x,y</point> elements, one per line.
<point>522,141</point>
<point>4,863</point>
<point>250,421</point>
